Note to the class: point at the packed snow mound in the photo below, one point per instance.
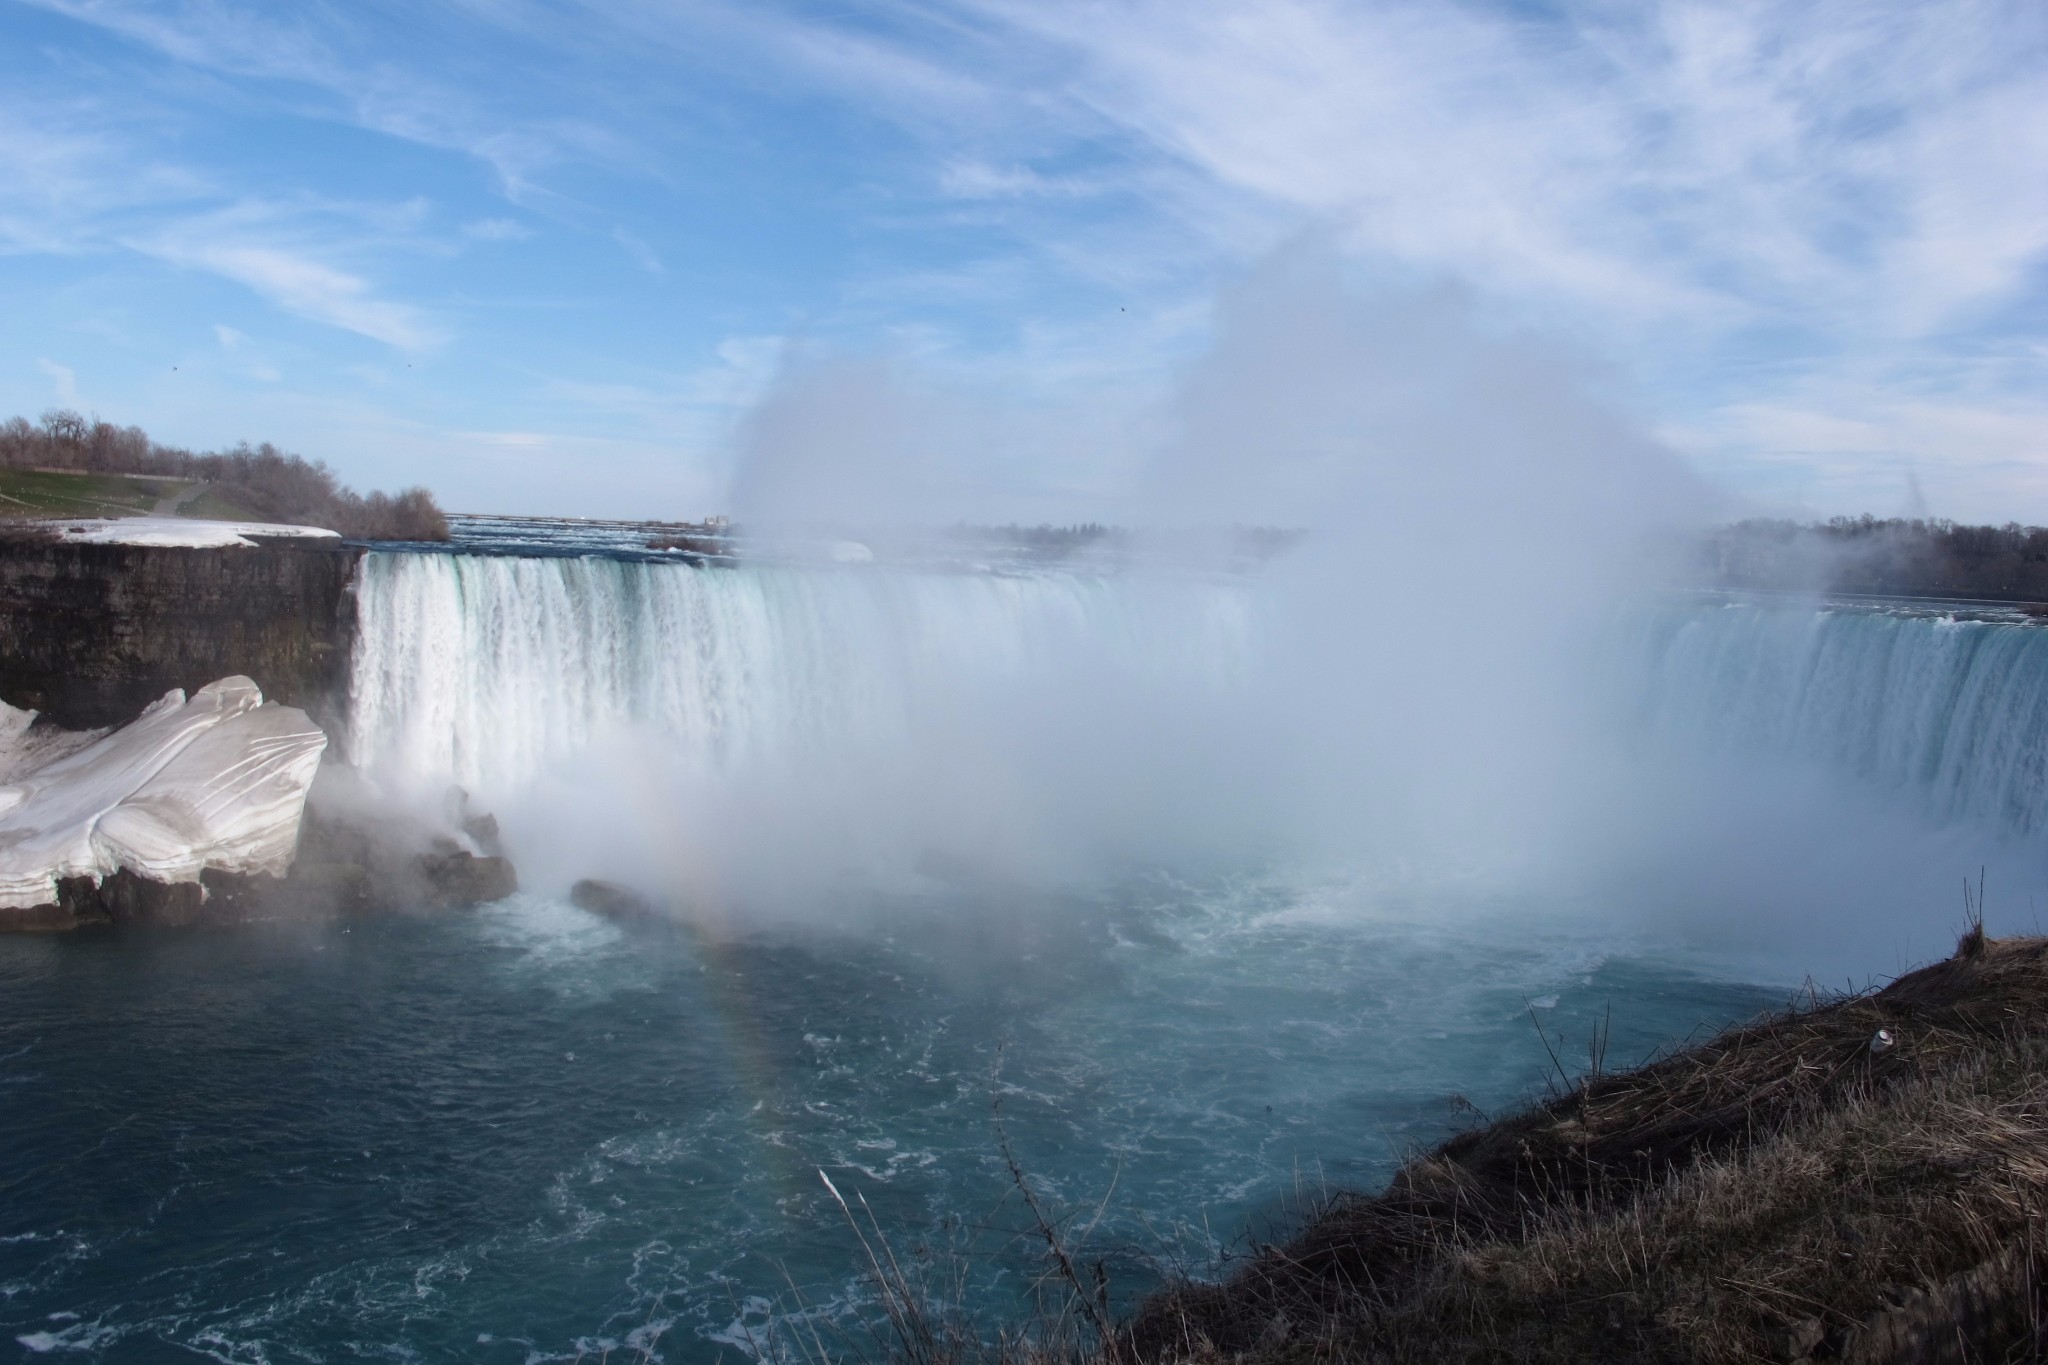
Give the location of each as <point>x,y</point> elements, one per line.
<point>218,781</point>
<point>23,749</point>
<point>188,533</point>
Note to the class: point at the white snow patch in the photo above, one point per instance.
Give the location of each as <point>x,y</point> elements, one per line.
<point>217,781</point>
<point>23,749</point>
<point>184,532</point>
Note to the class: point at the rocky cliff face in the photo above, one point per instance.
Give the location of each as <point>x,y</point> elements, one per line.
<point>91,634</point>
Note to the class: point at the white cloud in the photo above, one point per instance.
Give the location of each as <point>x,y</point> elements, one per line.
<point>75,181</point>
<point>1859,183</point>
<point>296,282</point>
<point>517,440</point>
<point>703,400</point>
<point>643,255</point>
<point>342,53</point>
<point>496,230</point>
<point>65,380</point>
<point>62,169</point>
<point>1836,189</point>
<point>1833,446</point>
<point>1844,163</point>
<point>970,179</point>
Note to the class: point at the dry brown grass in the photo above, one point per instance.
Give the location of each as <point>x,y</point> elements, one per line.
<point>1781,1192</point>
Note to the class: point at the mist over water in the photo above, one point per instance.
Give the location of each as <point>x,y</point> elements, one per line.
<point>1446,681</point>
<point>1443,685</point>
<point>748,738</point>
<point>1224,881</point>
<point>1812,785</point>
<point>1800,786</point>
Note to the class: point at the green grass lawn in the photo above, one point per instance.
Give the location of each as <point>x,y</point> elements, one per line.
<point>35,493</point>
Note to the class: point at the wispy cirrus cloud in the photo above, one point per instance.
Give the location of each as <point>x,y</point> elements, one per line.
<point>1772,213</point>
<point>1678,158</point>
<point>297,283</point>
<point>76,182</point>
<point>64,169</point>
<point>64,378</point>
<point>436,93</point>
<point>1784,214</point>
<point>1842,164</point>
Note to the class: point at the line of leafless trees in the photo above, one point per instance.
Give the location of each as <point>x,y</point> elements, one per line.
<point>1911,558</point>
<point>269,483</point>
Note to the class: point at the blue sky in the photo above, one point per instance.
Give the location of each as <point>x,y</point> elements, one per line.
<point>548,257</point>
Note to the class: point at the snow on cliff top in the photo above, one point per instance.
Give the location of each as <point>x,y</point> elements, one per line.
<point>186,532</point>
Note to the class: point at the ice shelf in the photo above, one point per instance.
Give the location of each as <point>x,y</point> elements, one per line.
<point>218,780</point>
<point>185,532</point>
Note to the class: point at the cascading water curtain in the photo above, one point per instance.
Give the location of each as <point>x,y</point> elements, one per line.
<point>1949,713</point>
<point>482,669</point>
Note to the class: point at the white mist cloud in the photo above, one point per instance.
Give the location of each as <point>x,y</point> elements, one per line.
<point>1410,685</point>
<point>896,440</point>
<point>1479,507</point>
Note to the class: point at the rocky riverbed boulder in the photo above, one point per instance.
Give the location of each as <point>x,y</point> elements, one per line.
<point>621,904</point>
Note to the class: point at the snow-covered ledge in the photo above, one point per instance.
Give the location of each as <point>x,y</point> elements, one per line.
<point>215,781</point>
<point>185,532</point>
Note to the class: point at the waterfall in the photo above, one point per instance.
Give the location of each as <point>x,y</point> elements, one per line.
<point>488,669</point>
<point>1950,714</point>
<point>625,714</point>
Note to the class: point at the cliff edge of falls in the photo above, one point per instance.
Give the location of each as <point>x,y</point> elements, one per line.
<point>90,634</point>
<point>165,711</point>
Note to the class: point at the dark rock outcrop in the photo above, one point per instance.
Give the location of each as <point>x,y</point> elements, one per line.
<point>457,877</point>
<point>364,862</point>
<point>129,899</point>
<point>621,904</point>
<point>344,867</point>
<point>91,634</point>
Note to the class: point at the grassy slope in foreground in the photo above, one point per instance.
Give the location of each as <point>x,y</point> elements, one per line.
<point>1785,1192</point>
<point>48,493</point>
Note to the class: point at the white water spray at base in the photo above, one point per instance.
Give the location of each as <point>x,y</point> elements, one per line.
<point>966,714</point>
<point>744,737</point>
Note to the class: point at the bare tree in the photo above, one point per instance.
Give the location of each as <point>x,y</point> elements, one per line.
<point>267,482</point>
